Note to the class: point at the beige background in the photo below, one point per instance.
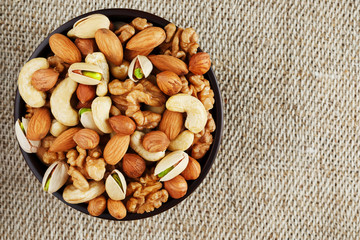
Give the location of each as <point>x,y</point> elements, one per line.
<point>289,161</point>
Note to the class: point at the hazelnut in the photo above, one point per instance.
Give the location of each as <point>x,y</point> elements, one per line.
<point>86,46</point>
<point>122,124</point>
<point>199,63</point>
<point>85,93</point>
<point>133,165</point>
<point>116,208</point>
<point>155,141</point>
<point>44,79</point>
<point>177,187</point>
<point>169,83</point>
<point>97,206</point>
<point>193,170</point>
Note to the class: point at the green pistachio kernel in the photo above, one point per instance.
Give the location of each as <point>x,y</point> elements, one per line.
<point>138,73</point>
<point>117,179</point>
<point>46,188</point>
<point>22,127</point>
<point>84,110</point>
<point>166,171</point>
<point>93,75</point>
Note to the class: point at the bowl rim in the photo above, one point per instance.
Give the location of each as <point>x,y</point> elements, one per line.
<point>209,158</point>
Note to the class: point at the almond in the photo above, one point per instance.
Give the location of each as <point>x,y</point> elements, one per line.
<point>169,83</point>
<point>64,48</point>
<point>155,141</point>
<point>169,63</point>
<point>87,138</point>
<point>110,45</point>
<point>133,165</point>
<point>85,93</point>
<point>64,141</point>
<point>171,124</point>
<point>39,124</point>
<point>131,54</point>
<point>122,124</point>
<point>44,79</point>
<point>86,46</point>
<point>148,38</point>
<point>200,63</point>
<point>116,148</point>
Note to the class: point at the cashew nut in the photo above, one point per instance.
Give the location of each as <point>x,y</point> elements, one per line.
<point>31,96</point>
<point>73,195</point>
<point>60,103</point>
<point>196,114</point>
<point>57,128</point>
<point>100,108</point>
<point>182,142</point>
<point>136,145</point>
<point>97,58</point>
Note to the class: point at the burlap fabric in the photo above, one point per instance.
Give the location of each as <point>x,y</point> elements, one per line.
<point>288,167</point>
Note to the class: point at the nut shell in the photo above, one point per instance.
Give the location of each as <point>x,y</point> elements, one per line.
<point>155,141</point>
<point>97,206</point>
<point>110,45</point>
<point>39,124</point>
<point>64,48</point>
<point>122,124</point>
<point>176,187</point>
<point>171,124</point>
<point>169,83</point>
<point>133,165</point>
<point>44,79</point>
<point>116,209</point>
<point>87,138</point>
<point>116,148</point>
<point>192,171</point>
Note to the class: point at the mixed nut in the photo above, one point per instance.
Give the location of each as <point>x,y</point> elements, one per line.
<point>119,113</point>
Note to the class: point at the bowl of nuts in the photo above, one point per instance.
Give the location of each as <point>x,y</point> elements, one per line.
<point>118,114</point>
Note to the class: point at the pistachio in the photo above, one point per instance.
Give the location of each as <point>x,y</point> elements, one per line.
<point>85,73</point>
<point>55,177</point>
<point>27,145</point>
<point>139,68</point>
<point>87,26</point>
<point>115,185</point>
<point>86,119</point>
<point>171,165</point>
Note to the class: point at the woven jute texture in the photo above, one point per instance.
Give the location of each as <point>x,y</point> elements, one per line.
<point>288,167</point>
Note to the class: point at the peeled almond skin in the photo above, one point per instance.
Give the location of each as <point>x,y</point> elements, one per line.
<point>110,45</point>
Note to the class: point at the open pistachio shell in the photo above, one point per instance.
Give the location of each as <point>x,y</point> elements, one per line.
<point>178,158</point>
<point>113,189</point>
<point>87,26</point>
<point>86,119</point>
<point>27,145</point>
<point>82,78</point>
<point>57,176</point>
<point>145,64</point>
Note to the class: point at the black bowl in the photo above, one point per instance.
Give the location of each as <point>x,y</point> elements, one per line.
<point>126,15</point>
